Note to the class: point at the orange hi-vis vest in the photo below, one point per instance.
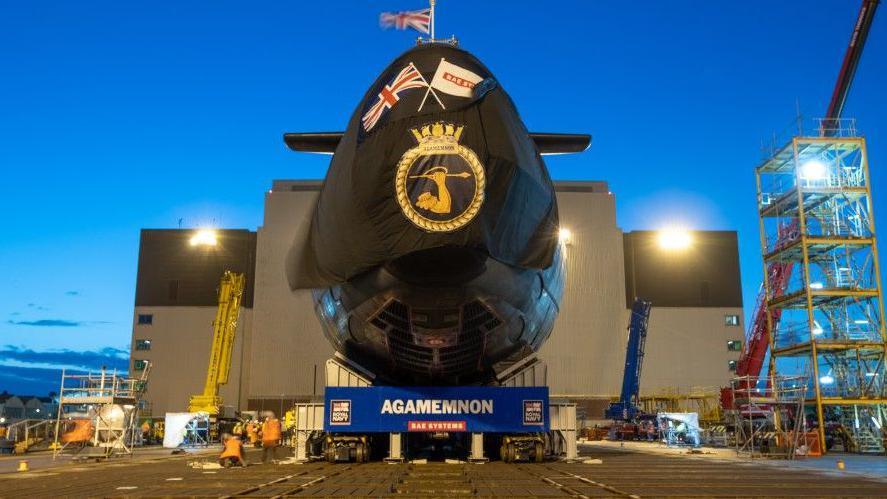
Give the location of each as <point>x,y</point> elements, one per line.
<point>271,430</point>
<point>232,449</point>
<point>81,432</point>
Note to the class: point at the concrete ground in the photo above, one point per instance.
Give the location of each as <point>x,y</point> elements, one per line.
<point>44,460</point>
<point>621,472</point>
<point>869,466</point>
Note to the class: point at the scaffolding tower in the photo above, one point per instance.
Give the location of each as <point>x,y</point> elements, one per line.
<point>830,309</point>
<point>769,419</point>
<point>106,407</point>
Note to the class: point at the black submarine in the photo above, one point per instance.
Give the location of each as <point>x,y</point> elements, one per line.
<point>433,251</point>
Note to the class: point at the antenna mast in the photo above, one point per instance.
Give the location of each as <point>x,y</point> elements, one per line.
<point>432,20</point>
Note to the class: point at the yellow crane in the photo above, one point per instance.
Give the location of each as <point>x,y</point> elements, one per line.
<point>224,328</point>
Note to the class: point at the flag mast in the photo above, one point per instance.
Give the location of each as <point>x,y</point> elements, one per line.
<point>432,21</point>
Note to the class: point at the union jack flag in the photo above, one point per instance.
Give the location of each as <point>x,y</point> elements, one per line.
<point>409,77</point>
<point>416,19</point>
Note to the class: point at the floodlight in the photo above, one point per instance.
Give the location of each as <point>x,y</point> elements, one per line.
<point>826,380</point>
<point>675,239</point>
<point>204,237</point>
<point>565,236</point>
<point>814,170</point>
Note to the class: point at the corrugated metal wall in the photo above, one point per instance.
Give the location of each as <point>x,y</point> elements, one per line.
<point>285,350</point>
<point>589,329</point>
<point>288,343</point>
<point>172,273</point>
<point>181,338</point>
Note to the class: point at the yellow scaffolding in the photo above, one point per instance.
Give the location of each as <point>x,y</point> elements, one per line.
<point>704,401</point>
<point>831,314</point>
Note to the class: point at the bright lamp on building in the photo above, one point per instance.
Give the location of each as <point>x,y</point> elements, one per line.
<point>814,170</point>
<point>565,236</point>
<point>204,237</point>
<point>675,239</point>
<point>826,380</point>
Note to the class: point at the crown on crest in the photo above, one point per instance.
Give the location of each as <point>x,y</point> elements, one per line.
<point>439,131</point>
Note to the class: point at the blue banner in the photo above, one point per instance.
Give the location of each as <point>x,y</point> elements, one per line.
<point>488,409</point>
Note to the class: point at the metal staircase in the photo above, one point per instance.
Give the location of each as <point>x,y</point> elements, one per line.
<point>861,426</point>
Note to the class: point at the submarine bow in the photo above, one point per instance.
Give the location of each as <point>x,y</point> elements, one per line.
<point>360,223</point>
<point>433,250</point>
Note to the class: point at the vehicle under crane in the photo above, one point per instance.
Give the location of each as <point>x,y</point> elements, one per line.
<point>627,409</point>
<point>231,289</point>
<point>751,360</point>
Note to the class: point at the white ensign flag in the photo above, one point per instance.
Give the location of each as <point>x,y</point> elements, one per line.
<point>454,80</point>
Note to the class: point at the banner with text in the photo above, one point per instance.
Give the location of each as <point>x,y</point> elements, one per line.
<point>490,409</point>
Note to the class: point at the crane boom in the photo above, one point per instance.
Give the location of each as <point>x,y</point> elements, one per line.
<point>848,67</point>
<point>224,329</point>
<point>627,406</point>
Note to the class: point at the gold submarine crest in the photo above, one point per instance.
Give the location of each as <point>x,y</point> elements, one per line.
<point>439,183</point>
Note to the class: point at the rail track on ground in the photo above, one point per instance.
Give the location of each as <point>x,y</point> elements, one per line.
<point>621,473</point>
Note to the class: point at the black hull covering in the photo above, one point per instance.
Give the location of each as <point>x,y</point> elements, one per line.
<point>442,333</point>
<point>433,250</point>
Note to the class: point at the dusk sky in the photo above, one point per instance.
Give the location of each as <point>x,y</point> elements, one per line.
<point>117,116</point>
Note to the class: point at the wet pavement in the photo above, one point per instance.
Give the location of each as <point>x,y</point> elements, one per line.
<point>620,473</point>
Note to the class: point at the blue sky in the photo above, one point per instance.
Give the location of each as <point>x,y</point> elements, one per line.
<point>116,116</point>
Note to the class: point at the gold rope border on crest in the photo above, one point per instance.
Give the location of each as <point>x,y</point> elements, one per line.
<point>400,185</point>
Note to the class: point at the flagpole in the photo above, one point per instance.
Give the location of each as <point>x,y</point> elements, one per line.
<point>428,90</point>
<point>432,21</point>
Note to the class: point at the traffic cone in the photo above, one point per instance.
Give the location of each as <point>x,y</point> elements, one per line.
<point>23,465</point>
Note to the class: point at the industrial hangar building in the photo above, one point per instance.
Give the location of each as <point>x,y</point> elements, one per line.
<point>694,338</point>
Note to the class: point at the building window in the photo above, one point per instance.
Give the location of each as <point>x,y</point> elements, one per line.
<point>143,344</point>
<point>731,320</point>
<point>146,319</point>
<point>734,345</point>
<point>139,364</point>
<point>731,365</point>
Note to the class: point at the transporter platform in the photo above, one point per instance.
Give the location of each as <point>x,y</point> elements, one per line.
<point>511,419</point>
<point>622,472</point>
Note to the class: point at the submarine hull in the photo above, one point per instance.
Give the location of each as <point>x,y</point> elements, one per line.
<point>433,253</point>
<point>441,333</point>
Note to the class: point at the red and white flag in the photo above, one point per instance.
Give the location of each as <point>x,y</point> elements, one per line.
<point>418,20</point>
<point>409,77</point>
<point>454,80</point>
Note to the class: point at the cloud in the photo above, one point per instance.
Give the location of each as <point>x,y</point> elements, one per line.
<point>48,323</point>
<point>29,381</point>
<point>56,323</point>
<point>30,372</point>
<point>112,358</point>
<point>72,293</point>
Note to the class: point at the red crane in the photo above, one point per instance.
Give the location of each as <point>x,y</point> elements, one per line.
<point>751,360</point>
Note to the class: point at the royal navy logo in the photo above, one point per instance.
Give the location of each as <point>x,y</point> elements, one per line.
<point>439,183</point>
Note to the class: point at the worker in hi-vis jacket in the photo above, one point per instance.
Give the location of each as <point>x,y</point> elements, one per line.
<point>233,451</point>
<point>270,436</point>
